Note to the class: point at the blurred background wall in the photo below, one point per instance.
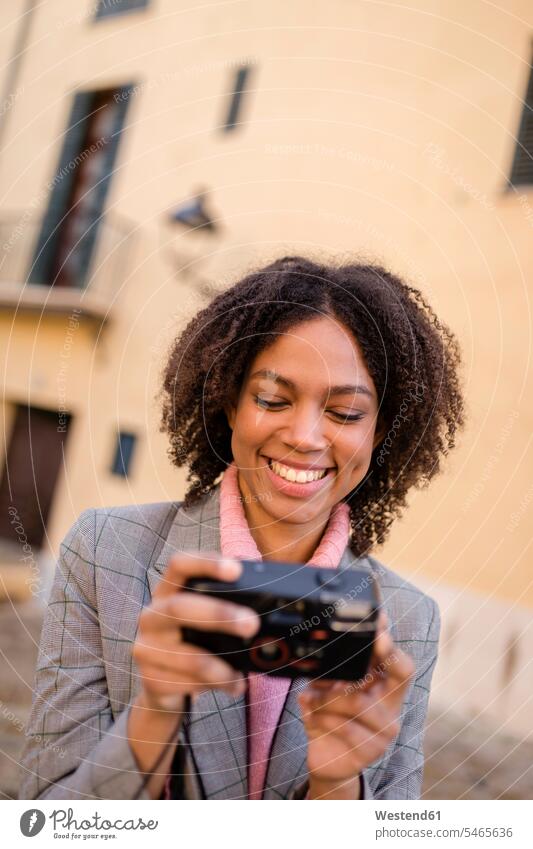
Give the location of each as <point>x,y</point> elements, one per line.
<point>151,151</point>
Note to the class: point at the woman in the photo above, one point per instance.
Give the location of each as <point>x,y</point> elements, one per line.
<point>306,401</point>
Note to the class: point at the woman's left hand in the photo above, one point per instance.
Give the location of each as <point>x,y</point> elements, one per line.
<point>350,724</point>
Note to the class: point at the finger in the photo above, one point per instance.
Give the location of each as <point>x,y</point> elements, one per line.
<point>184,565</point>
<point>180,658</point>
<point>384,655</point>
<point>330,723</point>
<point>184,665</point>
<point>390,679</point>
<point>358,706</point>
<point>383,642</point>
<point>361,741</point>
<point>335,687</point>
<point>399,675</point>
<point>365,709</point>
<point>392,675</point>
<point>383,619</point>
<point>324,685</point>
<point>187,609</point>
<point>159,688</point>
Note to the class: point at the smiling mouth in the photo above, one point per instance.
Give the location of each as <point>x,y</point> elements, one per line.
<point>296,475</point>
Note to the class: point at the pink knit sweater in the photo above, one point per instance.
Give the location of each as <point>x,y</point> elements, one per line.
<point>266,694</point>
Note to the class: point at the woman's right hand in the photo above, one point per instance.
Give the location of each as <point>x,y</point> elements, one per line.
<point>170,668</point>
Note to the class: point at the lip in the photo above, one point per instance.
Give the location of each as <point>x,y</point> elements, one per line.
<point>298,490</point>
<point>306,467</point>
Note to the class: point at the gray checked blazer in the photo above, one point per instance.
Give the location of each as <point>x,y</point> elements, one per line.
<point>76,745</point>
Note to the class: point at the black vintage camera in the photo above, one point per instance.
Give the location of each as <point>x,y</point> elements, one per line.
<point>315,623</point>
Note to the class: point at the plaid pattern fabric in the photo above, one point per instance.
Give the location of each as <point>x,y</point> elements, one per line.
<point>76,745</point>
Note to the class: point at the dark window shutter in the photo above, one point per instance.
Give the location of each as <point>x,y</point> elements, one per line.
<point>62,180</point>
<point>240,84</point>
<point>123,454</point>
<point>98,194</point>
<point>522,170</point>
<point>108,8</point>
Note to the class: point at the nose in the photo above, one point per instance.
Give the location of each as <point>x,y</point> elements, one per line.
<point>304,430</point>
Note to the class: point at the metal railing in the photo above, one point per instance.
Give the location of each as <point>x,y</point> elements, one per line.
<point>104,273</point>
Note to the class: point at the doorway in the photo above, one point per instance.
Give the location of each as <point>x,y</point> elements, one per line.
<point>33,460</point>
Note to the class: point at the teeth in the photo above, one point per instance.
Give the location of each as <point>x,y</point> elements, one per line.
<point>296,475</point>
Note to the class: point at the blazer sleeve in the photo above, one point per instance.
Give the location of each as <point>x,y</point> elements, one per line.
<point>75,748</point>
<point>402,773</point>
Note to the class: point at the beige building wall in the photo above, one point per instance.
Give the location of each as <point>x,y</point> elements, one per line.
<point>382,132</point>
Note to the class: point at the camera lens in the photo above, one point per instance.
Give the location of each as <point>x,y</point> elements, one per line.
<point>270,651</point>
<point>267,653</point>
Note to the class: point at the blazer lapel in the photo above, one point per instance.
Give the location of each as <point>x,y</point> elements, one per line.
<point>217,724</point>
<point>195,529</point>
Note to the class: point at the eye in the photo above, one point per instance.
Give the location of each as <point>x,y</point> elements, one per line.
<point>344,418</point>
<point>266,404</point>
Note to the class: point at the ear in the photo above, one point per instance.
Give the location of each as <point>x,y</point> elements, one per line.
<point>229,409</point>
<point>379,435</point>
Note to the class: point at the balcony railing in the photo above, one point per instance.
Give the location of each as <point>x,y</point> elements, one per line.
<point>71,279</point>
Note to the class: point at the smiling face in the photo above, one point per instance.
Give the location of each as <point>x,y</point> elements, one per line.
<point>304,426</point>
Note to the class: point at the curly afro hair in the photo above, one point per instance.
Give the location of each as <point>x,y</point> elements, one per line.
<point>413,358</point>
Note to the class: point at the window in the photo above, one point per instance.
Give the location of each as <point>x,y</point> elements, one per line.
<point>79,187</point>
<point>522,170</point>
<point>108,8</point>
<point>241,80</point>
<point>123,454</point>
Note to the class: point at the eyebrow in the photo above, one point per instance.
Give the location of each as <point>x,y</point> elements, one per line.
<point>343,389</point>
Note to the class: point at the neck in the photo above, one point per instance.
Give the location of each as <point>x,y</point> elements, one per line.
<point>281,541</point>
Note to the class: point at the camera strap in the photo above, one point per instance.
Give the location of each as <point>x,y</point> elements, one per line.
<point>178,768</point>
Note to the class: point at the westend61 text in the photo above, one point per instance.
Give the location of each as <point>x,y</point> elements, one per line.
<point>407,815</point>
